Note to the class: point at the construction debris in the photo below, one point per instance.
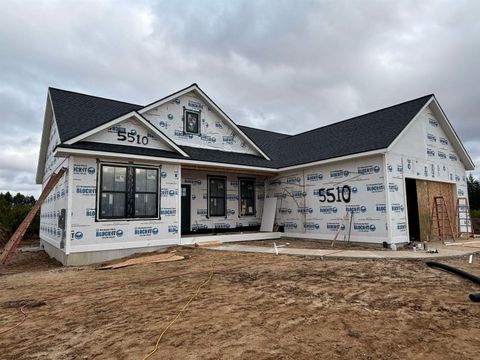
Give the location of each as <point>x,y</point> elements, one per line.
<point>31,249</point>
<point>208,243</point>
<point>144,260</point>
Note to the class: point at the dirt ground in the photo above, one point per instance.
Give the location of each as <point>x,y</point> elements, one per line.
<point>256,306</point>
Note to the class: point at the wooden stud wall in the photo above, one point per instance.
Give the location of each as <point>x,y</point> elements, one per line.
<point>426,191</point>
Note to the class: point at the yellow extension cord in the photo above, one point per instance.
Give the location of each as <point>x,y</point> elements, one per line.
<point>178,315</point>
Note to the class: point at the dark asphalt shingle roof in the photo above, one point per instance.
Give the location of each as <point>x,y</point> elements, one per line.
<point>77,113</point>
<point>264,139</point>
<point>122,149</point>
<point>372,131</point>
<point>198,154</point>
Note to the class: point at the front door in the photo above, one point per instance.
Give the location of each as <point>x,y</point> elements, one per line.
<point>186,198</point>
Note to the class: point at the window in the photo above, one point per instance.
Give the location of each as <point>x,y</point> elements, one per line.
<point>217,196</point>
<point>146,192</point>
<point>128,192</point>
<point>113,198</point>
<point>247,197</point>
<point>192,121</point>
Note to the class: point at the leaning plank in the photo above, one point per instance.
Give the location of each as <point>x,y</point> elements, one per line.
<point>17,236</point>
<point>144,260</point>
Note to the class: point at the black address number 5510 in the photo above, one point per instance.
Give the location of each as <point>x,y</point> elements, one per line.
<point>343,193</point>
<point>137,138</point>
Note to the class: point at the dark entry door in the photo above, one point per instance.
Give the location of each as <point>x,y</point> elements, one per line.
<point>412,209</point>
<point>186,199</point>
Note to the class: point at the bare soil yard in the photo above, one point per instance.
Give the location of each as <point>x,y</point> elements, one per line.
<point>315,244</point>
<point>256,306</point>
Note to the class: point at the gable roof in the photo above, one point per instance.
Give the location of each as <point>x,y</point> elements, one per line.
<point>130,115</point>
<point>375,131</point>
<point>199,92</point>
<point>77,113</point>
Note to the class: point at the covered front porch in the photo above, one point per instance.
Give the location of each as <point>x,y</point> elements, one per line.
<point>222,204</point>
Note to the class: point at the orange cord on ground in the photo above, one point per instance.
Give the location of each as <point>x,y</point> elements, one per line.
<point>22,310</point>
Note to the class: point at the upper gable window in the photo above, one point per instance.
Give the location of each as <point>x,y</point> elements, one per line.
<point>192,121</point>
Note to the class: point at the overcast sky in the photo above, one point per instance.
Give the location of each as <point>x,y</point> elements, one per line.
<point>287,66</point>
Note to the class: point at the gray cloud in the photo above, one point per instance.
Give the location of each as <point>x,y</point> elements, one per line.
<point>280,65</point>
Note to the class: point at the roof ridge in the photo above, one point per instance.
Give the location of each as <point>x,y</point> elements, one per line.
<point>358,116</point>
<point>93,96</point>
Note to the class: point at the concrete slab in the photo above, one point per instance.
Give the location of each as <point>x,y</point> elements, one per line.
<point>443,252</point>
<point>229,237</point>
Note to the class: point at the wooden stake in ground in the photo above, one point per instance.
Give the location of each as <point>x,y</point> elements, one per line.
<point>344,220</point>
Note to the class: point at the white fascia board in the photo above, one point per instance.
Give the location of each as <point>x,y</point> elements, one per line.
<point>410,124</point>
<point>457,144</point>
<point>61,151</point>
<point>47,124</point>
<point>129,115</point>
<point>336,159</point>
<point>205,98</point>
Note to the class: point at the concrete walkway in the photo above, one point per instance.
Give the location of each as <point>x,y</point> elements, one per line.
<point>443,252</point>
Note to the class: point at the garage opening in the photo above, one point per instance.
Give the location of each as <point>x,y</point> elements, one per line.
<point>420,195</point>
<point>412,210</point>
